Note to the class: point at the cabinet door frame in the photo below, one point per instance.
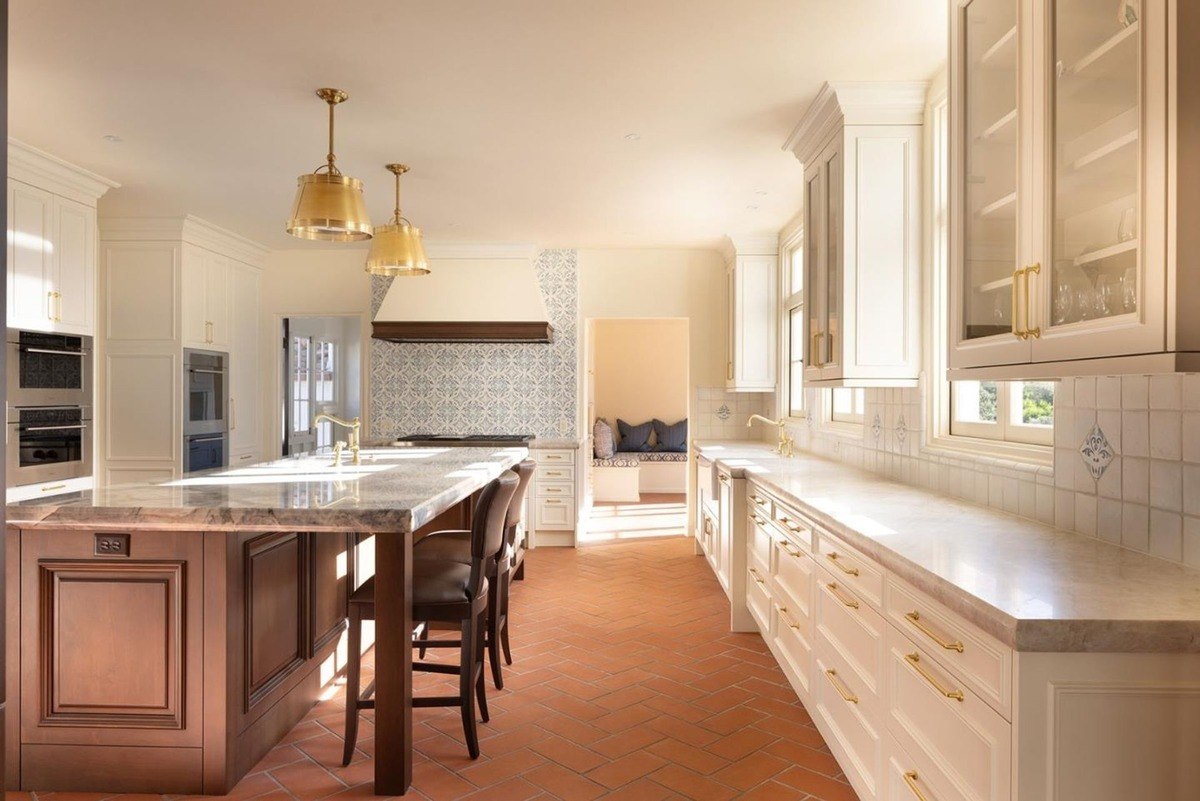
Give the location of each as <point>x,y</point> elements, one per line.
<point>29,300</point>
<point>70,278</point>
<point>814,274</point>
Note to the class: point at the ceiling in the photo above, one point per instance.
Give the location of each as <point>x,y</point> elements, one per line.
<point>582,123</point>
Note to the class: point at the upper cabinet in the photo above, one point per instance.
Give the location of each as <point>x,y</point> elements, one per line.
<point>751,270</point>
<point>861,147</point>
<point>51,242</point>
<point>1063,255</point>
<point>206,302</point>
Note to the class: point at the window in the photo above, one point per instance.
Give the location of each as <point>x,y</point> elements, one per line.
<point>1012,411</point>
<point>323,356</point>
<point>793,319</point>
<point>301,375</point>
<point>848,405</point>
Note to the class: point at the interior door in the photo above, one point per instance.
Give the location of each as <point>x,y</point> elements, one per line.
<point>301,434</point>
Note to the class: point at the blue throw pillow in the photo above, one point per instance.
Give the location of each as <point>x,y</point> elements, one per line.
<point>634,439</point>
<point>671,438</point>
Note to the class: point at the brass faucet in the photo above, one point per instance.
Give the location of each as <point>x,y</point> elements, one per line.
<point>354,426</point>
<point>787,445</point>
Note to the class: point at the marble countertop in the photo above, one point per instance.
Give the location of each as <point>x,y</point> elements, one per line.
<point>393,490</point>
<point>1034,587</point>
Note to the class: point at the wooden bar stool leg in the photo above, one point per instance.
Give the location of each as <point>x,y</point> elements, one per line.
<point>493,630</point>
<point>505,588</point>
<point>466,674</point>
<point>353,676</point>
<point>480,682</point>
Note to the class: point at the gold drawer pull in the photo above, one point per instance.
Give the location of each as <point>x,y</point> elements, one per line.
<point>758,519</point>
<point>833,556</point>
<point>783,614</point>
<point>53,487</point>
<point>915,661</point>
<point>759,501</point>
<point>787,521</point>
<point>833,588</point>
<point>757,576</point>
<point>724,479</point>
<point>789,550</point>
<point>914,617</point>
<point>847,696</point>
<point>554,472</point>
<point>910,779</point>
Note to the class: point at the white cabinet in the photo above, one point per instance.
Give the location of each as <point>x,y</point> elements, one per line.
<point>1069,213</point>
<point>753,310</point>
<point>245,401</point>
<point>206,303</point>
<point>51,251</point>
<point>861,147</point>
<point>553,496</point>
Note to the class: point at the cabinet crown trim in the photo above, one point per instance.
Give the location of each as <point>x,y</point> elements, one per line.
<point>856,103</point>
<point>32,166</point>
<point>190,229</point>
<point>735,245</point>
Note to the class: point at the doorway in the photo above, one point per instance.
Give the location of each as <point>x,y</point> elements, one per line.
<point>322,372</point>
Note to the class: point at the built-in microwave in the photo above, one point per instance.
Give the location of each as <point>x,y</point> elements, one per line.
<point>49,369</point>
<point>48,443</point>
<point>206,392</point>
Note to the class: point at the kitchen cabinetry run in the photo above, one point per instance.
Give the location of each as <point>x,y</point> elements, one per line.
<point>861,147</point>
<point>752,275</point>
<point>206,299</point>
<point>51,242</point>
<point>720,523</point>
<point>552,494</point>
<point>245,417</point>
<point>1071,192</point>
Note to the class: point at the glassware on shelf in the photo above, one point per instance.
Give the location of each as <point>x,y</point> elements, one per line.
<point>1129,290</point>
<point>1127,227</point>
<point>1064,302</point>
<point>1107,301</point>
<point>1085,298</point>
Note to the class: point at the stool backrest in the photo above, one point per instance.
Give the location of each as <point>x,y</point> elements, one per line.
<point>487,526</point>
<point>524,472</point>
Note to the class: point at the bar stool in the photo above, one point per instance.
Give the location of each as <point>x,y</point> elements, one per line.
<point>455,545</point>
<point>444,591</point>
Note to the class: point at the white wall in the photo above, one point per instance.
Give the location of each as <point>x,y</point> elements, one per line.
<point>641,370</point>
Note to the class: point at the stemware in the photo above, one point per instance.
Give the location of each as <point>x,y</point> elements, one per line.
<point>1106,296</point>
<point>1064,302</point>
<point>1129,290</point>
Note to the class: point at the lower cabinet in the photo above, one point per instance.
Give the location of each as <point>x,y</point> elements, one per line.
<point>553,496</point>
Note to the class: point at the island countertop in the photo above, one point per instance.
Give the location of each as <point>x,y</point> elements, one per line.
<point>1033,587</point>
<point>392,490</point>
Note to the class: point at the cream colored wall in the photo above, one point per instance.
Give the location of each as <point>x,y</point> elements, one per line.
<point>641,370</point>
<point>301,282</point>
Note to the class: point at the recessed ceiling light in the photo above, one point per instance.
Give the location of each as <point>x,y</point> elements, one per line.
<point>112,138</point>
<point>752,207</point>
<point>632,137</point>
<point>762,193</point>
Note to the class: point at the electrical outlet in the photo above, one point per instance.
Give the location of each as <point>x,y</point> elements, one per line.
<point>112,545</point>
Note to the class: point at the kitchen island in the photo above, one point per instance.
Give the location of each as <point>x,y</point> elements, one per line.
<point>163,638</point>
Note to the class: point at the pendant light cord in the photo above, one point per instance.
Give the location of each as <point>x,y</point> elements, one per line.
<point>329,157</point>
<point>396,211</point>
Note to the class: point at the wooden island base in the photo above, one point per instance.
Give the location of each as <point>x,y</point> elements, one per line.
<point>169,662</point>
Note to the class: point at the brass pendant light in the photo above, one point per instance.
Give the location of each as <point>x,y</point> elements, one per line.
<point>396,248</point>
<point>329,206</point>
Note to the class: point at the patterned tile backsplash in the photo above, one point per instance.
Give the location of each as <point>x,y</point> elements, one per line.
<point>717,414</point>
<point>1126,460</point>
<point>483,388</point>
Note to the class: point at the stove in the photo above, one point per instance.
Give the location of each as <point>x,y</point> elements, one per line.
<point>469,440</point>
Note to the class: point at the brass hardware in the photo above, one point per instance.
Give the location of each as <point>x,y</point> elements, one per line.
<point>914,617</point>
<point>338,447</point>
<point>787,445</point>
<point>58,314</point>
<point>814,358</point>
<point>246,457</point>
<point>329,205</point>
<point>1016,323</point>
<point>397,248</point>
<point>757,576</point>
<point>842,690</point>
<point>232,415</point>
<point>758,520</point>
<point>553,473</point>
<point>1036,331</point>
<point>354,425</point>
<point>833,556</point>
<point>552,501</point>
<point>53,487</point>
<point>724,479</point>
<point>829,349</point>
<point>833,588</point>
<point>910,778</point>
<point>758,501</point>
<point>783,614</point>
<point>914,659</point>
<point>789,550</point>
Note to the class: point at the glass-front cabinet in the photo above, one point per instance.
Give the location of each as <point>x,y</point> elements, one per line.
<point>1058,171</point>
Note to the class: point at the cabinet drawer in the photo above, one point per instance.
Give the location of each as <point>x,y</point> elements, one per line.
<point>554,472</point>
<point>962,748</point>
<point>855,733</point>
<point>793,645</point>
<point>794,525</point>
<point>851,567</point>
<point>759,502</point>
<point>552,456</point>
<point>971,656</point>
<point>793,579</point>
<point>903,782</point>
<point>758,595</point>
<point>555,489</point>
<point>758,538</point>
<point>554,514</point>
<point>856,631</point>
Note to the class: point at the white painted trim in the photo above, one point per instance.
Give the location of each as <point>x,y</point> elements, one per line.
<point>856,103</point>
<point>188,229</point>
<point>734,245</point>
<point>30,165</point>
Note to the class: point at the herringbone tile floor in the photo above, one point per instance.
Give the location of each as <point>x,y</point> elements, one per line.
<point>627,684</point>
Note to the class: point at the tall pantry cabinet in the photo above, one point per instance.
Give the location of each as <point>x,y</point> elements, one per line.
<point>168,284</point>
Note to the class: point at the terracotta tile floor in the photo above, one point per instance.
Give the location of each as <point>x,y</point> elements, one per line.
<point>627,684</point>
<point>656,515</point>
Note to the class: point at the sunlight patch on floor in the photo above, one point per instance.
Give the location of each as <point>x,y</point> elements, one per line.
<point>664,516</point>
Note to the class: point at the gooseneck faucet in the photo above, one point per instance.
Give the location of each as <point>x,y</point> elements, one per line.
<point>787,445</point>
<point>354,426</point>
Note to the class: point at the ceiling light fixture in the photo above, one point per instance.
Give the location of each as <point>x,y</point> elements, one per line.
<point>396,248</point>
<point>329,206</point>
<point>632,137</point>
<point>112,138</point>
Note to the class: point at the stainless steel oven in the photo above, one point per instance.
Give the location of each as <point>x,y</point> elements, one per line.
<point>206,392</point>
<point>205,452</point>
<point>48,443</point>
<point>48,369</point>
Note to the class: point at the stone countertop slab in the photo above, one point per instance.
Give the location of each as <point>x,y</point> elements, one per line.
<point>1033,587</point>
<point>393,490</point>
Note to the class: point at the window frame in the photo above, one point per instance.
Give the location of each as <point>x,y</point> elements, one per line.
<point>791,244</point>
<point>858,404</point>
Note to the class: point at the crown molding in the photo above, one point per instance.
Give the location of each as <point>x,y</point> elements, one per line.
<point>32,166</point>
<point>841,103</point>
<point>734,245</point>
<point>190,229</point>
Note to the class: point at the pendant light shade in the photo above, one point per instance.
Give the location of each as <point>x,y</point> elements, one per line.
<point>396,248</point>
<point>329,206</point>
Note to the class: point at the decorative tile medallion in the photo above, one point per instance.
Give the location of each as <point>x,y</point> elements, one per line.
<point>901,429</point>
<point>1097,453</point>
<point>876,427</point>
<point>723,413</point>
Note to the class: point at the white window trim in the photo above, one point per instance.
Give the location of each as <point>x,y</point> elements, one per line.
<point>791,238</point>
<point>937,438</point>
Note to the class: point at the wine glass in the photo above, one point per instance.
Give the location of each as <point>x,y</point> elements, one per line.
<point>1064,301</point>
<point>1086,297</point>
<point>1129,290</point>
<point>1127,226</point>
<point>1106,296</point>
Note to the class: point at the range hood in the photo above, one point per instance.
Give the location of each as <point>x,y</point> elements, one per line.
<point>479,299</point>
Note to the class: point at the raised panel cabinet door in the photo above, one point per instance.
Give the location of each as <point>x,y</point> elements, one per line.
<point>194,297</point>
<point>216,299</point>
<point>245,415</point>
<point>75,265</point>
<point>275,616</point>
<point>31,300</point>
<point>331,557</point>
<point>754,323</point>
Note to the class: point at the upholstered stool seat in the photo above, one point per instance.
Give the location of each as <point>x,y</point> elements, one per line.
<point>436,583</point>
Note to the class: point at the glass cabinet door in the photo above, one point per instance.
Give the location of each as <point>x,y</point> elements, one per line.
<point>833,255</point>
<point>814,273</point>
<point>989,57</point>
<point>1094,272</point>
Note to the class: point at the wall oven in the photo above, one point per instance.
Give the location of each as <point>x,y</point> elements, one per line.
<point>206,392</point>
<point>205,452</point>
<point>48,369</point>
<point>48,443</point>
